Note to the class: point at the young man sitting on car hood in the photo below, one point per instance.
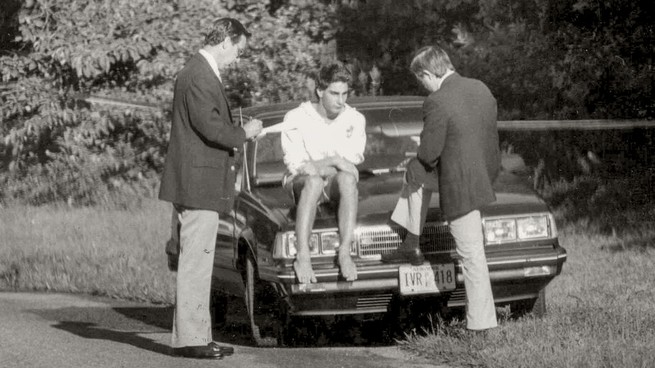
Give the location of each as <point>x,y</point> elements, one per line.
<point>322,142</point>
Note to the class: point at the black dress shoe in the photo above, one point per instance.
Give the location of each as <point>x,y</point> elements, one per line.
<point>405,255</point>
<point>198,352</point>
<point>225,350</point>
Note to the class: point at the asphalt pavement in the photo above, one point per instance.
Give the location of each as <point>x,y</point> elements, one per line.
<point>66,330</point>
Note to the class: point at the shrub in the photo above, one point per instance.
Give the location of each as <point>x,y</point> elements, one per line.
<point>58,149</point>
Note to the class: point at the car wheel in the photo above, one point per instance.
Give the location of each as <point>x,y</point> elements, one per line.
<point>262,313</point>
<point>536,306</point>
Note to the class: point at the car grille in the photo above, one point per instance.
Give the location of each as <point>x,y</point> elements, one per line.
<point>385,239</point>
<point>373,302</point>
<point>457,298</point>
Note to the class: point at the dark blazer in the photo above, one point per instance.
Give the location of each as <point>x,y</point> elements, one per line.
<point>200,170</point>
<point>459,144</point>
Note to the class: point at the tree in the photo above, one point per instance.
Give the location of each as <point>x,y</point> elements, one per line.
<point>55,148</point>
<point>558,59</point>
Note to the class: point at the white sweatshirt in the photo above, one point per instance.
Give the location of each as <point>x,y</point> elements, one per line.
<point>307,136</point>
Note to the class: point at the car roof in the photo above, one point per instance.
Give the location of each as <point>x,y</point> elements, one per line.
<point>380,109</point>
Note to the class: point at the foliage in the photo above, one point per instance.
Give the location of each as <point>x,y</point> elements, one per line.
<point>543,59</point>
<point>56,148</point>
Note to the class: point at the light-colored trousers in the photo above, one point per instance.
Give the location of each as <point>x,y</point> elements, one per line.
<point>410,213</point>
<point>191,319</point>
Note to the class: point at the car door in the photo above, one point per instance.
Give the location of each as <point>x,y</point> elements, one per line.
<point>226,272</point>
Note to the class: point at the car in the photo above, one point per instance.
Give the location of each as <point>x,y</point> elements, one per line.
<point>255,245</point>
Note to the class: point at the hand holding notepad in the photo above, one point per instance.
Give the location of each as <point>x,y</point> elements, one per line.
<point>278,128</point>
<point>284,126</point>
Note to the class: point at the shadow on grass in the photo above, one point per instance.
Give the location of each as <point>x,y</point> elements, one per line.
<point>639,242</point>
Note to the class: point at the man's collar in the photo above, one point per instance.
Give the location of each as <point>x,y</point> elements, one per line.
<point>448,73</point>
<point>212,63</point>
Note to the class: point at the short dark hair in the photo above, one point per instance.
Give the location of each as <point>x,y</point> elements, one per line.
<point>433,59</point>
<point>335,72</point>
<point>223,28</point>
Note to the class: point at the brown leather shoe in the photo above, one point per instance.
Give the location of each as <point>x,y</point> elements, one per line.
<point>405,255</point>
<point>198,352</point>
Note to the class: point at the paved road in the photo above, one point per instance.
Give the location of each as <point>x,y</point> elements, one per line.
<point>64,330</point>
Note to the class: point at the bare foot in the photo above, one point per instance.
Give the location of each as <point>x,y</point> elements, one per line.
<point>304,271</point>
<point>348,267</point>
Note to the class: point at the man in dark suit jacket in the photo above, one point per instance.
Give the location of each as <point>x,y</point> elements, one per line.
<point>199,178</point>
<point>459,151</point>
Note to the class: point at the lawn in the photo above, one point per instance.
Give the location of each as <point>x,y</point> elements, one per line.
<point>601,309</point>
<point>601,313</point>
<point>98,251</point>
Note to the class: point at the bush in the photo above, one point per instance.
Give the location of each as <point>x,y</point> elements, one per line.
<point>58,149</point>
<point>566,60</point>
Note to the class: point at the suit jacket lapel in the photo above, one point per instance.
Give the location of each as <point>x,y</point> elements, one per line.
<point>224,96</point>
<point>221,88</point>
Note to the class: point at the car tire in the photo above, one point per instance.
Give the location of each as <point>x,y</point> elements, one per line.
<point>264,326</point>
<point>536,306</point>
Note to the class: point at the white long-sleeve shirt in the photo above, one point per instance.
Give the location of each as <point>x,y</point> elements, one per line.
<point>212,63</point>
<point>307,136</point>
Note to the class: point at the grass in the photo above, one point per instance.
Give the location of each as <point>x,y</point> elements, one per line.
<point>600,314</point>
<point>600,309</point>
<point>98,251</point>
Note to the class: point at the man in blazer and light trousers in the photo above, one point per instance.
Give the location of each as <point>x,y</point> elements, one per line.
<point>458,152</point>
<point>198,178</point>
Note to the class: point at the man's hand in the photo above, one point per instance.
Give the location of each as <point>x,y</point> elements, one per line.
<point>308,169</point>
<point>252,128</point>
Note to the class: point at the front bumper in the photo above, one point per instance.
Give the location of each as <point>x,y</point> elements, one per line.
<point>514,275</point>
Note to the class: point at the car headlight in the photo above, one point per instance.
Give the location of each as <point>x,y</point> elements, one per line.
<point>330,242</point>
<point>498,231</point>
<point>504,230</point>
<point>291,248</point>
<point>532,227</point>
<point>325,242</point>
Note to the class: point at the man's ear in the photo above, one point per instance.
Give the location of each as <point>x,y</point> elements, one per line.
<point>226,43</point>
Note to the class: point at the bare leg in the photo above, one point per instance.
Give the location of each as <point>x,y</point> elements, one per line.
<point>347,219</point>
<point>305,215</point>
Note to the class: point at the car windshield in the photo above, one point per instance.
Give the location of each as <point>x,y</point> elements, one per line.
<point>392,137</point>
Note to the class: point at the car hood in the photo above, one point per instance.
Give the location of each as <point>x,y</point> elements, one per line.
<point>378,196</point>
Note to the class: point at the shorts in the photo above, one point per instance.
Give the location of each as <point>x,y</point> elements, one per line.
<point>294,185</point>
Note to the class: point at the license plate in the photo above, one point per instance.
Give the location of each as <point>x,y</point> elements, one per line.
<point>426,279</point>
